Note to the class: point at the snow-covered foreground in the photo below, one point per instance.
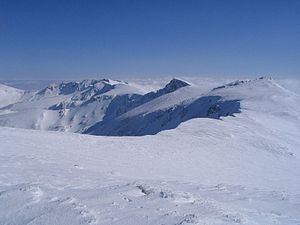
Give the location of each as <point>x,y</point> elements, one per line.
<point>232,171</point>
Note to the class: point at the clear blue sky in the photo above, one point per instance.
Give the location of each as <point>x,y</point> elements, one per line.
<point>51,39</point>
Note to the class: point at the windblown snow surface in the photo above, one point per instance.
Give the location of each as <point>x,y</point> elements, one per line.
<point>9,95</point>
<point>233,169</point>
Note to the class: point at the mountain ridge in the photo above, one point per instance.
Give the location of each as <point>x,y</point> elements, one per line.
<point>117,108</point>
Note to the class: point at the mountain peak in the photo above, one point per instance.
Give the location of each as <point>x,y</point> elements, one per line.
<point>175,84</point>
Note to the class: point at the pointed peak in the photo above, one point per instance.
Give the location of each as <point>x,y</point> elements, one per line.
<point>175,84</point>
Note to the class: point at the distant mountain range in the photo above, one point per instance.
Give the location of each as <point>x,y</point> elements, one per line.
<point>117,108</point>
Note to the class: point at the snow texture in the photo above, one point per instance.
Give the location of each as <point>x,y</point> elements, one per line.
<point>239,164</point>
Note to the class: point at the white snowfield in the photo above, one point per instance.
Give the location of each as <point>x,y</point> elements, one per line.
<point>9,95</point>
<point>240,169</point>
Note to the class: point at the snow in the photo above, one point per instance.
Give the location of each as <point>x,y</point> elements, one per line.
<point>75,106</point>
<point>240,169</point>
<point>9,95</point>
<point>66,106</point>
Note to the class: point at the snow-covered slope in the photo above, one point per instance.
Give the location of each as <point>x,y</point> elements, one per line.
<point>239,170</point>
<point>237,164</point>
<point>9,95</point>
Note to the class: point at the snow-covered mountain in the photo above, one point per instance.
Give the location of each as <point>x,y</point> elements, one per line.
<point>9,95</point>
<point>66,106</point>
<point>76,106</point>
<point>112,107</point>
<point>232,157</point>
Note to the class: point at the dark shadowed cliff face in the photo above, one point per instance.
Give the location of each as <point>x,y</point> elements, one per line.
<point>165,119</point>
